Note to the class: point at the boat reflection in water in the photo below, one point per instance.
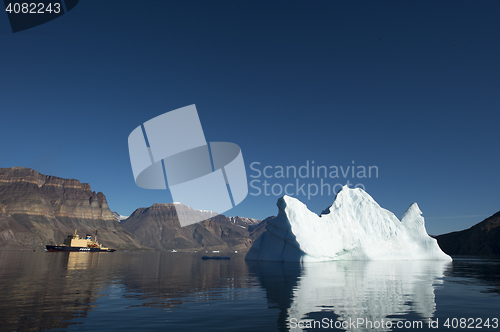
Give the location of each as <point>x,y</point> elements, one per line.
<point>345,291</point>
<point>79,261</point>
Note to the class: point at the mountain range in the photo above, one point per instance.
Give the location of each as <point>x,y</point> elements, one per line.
<point>37,209</point>
<point>159,228</point>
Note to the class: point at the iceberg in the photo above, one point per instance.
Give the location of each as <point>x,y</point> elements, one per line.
<point>354,227</point>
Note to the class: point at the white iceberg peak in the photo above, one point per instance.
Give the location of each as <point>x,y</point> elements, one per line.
<point>354,227</point>
<point>412,212</point>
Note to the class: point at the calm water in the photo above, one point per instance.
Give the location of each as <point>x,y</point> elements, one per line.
<point>161,291</point>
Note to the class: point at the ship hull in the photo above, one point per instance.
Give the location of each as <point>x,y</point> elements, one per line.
<point>78,249</point>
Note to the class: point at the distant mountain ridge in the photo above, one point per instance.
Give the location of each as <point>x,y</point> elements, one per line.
<point>158,227</point>
<point>37,209</point>
<point>482,239</point>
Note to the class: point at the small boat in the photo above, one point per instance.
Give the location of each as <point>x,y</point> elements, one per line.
<point>215,257</point>
<point>75,243</point>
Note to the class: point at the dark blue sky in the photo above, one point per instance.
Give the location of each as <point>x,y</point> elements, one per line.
<point>409,87</point>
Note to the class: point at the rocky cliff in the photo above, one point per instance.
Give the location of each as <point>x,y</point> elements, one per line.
<point>37,209</point>
<point>158,227</point>
<point>482,239</point>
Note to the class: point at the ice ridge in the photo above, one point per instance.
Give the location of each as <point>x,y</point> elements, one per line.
<point>354,227</point>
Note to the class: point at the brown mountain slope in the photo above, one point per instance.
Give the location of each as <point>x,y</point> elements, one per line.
<point>158,227</point>
<point>36,210</point>
<point>482,239</point>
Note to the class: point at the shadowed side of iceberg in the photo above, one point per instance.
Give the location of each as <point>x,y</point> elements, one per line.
<point>278,242</point>
<point>354,227</point>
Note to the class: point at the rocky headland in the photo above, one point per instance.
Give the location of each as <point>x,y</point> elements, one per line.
<point>482,239</point>
<point>37,209</point>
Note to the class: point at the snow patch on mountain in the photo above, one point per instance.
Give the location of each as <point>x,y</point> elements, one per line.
<point>245,222</point>
<point>119,217</point>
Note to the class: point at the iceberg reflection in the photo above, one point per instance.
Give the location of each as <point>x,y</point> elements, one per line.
<point>351,290</point>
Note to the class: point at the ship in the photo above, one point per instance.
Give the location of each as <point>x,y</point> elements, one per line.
<point>74,243</point>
